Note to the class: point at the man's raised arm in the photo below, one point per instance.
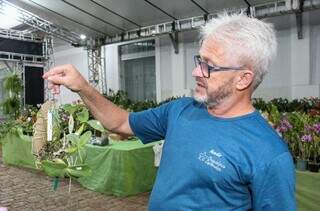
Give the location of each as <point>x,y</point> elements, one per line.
<point>111,116</point>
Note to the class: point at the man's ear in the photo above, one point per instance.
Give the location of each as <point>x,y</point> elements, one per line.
<point>244,79</point>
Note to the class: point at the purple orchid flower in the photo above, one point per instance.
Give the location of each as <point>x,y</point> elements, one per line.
<point>306,138</point>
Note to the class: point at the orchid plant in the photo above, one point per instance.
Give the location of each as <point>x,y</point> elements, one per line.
<point>65,154</point>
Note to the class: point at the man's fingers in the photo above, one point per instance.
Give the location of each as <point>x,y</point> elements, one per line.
<point>56,79</point>
<point>58,70</point>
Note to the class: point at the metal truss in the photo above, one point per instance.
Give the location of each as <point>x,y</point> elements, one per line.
<point>43,59</point>
<point>20,35</point>
<point>19,61</point>
<point>96,68</point>
<point>17,57</point>
<point>270,9</point>
<point>41,24</point>
<point>95,63</point>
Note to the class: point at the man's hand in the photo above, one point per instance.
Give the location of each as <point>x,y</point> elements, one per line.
<point>66,75</point>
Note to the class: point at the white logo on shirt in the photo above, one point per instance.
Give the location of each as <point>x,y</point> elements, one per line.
<point>218,154</point>
<point>212,159</point>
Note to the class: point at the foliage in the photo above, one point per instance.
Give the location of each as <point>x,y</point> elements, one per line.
<point>306,105</point>
<point>24,121</point>
<point>65,154</point>
<point>5,127</point>
<point>13,87</point>
<point>121,99</point>
<point>300,130</point>
<point>27,118</point>
<point>13,83</point>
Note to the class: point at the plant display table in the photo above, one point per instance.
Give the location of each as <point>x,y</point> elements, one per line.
<point>122,168</point>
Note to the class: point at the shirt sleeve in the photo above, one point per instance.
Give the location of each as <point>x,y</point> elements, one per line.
<point>150,125</point>
<point>273,186</point>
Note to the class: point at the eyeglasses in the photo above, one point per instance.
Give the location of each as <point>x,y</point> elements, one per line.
<point>206,69</point>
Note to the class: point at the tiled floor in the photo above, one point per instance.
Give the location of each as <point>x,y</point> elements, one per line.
<point>25,189</point>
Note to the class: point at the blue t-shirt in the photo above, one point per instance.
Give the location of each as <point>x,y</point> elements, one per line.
<point>211,163</point>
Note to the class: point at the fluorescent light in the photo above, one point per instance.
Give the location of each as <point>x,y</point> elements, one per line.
<point>83,36</point>
<point>9,17</point>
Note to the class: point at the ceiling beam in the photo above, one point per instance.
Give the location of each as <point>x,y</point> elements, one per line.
<point>96,17</point>
<point>198,5</point>
<point>155,6</point>
<point>299,21</point>
<point>248,8</point>
<point>70,19</point>
<point>248,4</point>
<point>117,14</point>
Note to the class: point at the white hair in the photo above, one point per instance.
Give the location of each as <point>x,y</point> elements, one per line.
<point>252,41</point>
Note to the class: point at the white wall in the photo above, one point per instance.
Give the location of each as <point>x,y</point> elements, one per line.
<point>295,72</point>
<point>78,58</point>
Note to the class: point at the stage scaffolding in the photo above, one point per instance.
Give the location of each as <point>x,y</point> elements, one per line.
<point>16,62</point>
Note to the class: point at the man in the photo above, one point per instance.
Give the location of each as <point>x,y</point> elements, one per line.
<point>219,153</point>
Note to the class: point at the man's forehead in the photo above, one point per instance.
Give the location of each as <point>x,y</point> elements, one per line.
<point>211,46</point>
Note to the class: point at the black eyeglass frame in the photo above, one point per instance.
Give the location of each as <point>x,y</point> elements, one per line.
<point>204,66</point>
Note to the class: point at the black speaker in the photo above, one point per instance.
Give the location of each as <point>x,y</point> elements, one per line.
<point>34,85</point>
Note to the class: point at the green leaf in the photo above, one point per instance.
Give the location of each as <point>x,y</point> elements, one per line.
<point>70,124</point>
<point>55,168</point>
<point>71,150</point>
<point>79,171</point>
<point>69,108</point>
<point>85,138</point>
<point>83,116</point>
<point>80,130</point>
<point>58,160</point>
<point>73,138</point>
<point>95,124</point>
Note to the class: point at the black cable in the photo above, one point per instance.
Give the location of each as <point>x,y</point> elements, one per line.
<point>155,6</point>
<point>198,5</point>
<point>70,19</point>
<point>82,10</point>
<point>113,12</point>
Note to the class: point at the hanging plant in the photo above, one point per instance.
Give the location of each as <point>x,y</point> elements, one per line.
<point>64,155</point>
<point>13,87</point>
<point>13,83</point>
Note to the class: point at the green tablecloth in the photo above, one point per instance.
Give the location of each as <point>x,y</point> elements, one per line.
<point>16,150</point>
<point>126,168</point>
<point>308,191</point>
<point>121,168</point>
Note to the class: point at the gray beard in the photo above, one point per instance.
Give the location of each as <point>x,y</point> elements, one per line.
<point>216,98</point>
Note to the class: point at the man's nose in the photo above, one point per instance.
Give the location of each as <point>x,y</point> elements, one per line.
<point>196,72</point>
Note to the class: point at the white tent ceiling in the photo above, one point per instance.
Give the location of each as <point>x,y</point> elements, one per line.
<point>110,17</point>
<point>101,18</point>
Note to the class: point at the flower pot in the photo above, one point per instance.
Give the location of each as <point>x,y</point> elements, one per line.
<point>313,167</point>
<point>301,165</point>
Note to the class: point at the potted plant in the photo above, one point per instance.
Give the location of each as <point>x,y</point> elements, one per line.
<point>294,130</point>
<point>315,148</point>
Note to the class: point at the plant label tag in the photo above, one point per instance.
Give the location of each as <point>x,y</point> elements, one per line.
<point>49,126</point>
